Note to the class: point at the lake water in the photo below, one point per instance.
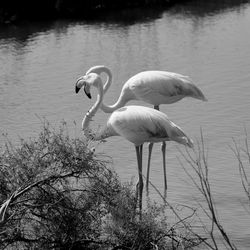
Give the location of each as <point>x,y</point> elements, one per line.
<point>210,42</point>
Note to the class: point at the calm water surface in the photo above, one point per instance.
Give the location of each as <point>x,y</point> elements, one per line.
<point>40,62</point>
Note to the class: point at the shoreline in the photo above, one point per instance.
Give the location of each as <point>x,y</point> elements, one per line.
<point>61,9</point>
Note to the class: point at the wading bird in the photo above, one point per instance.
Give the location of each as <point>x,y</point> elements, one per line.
<point>153,87</point>
<point>137,124</point>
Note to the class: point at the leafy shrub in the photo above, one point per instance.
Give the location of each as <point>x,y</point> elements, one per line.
<point>56,193</point>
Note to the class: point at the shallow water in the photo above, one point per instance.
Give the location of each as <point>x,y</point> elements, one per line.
<point>207,41</point>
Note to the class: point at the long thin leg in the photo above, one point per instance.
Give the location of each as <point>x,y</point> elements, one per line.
<point>150,147</point>
<point>163,149</point>
<point>139,186</point>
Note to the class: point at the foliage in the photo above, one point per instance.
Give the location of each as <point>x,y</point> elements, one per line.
<point>48,183</point>
<point>56,193</point>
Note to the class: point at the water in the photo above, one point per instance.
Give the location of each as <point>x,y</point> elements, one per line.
<point>207,41</point>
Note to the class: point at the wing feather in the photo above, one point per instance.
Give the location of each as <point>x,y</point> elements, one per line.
<point>140,124</point>
<point>158,87</point>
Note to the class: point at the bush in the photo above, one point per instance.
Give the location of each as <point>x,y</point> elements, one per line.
<point>56,193</point>
<point>50,183</point>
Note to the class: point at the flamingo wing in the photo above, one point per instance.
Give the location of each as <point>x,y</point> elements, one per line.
<point>140,124</point>
<point>161,87</point>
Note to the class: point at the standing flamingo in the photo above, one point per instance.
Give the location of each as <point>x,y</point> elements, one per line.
<point>154,87</point>
<point>137,124</point>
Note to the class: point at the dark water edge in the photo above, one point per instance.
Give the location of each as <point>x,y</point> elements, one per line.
<point>13,11</point>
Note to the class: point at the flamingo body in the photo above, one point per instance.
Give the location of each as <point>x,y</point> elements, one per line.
<point>140,124</point>
<point>154,87</point>
<point>161,87</point>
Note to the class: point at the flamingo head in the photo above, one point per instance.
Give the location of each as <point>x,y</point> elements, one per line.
<point>86,81</point>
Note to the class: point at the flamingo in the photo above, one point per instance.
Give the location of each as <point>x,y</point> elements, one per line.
<point>153,87</point>
<point>137,124</point>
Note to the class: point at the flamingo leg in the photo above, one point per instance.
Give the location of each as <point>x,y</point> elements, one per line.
<point>150,148</point>
<point>139,186</point>
<point>163,149</point>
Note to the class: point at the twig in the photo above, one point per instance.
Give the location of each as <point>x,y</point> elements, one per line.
<point>16,194</point>
<point>200,167</point>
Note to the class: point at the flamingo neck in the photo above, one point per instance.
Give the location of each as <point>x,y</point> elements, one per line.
<point>109,79</point>
<point>90,114</point>
<point>102,69</point>
<point>125,96</point>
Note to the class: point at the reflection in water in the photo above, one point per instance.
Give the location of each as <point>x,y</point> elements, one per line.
<point>126,17</point>
<point>40,63</point>
<point>24,31</point>
<point>194,9</point>
<point>203,8</point>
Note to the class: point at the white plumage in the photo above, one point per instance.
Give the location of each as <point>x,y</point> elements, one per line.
<point>140,124</point>
<point>154,87</point>
<point>137,124</point>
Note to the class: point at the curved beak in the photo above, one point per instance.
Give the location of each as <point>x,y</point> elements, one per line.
<point>81,82</point>
<point>77,89</point>
<point>87,91</point>
<point>78,85</point>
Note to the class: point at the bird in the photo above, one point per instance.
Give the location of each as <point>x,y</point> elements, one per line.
<point>137,124</point>
<point>154,87</point>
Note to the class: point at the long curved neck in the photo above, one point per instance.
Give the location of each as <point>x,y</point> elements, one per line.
<point>125,96</point>
<point>88,117</point>
<point>120,102</point>
<point>108,82</point>
<point>102,69</point>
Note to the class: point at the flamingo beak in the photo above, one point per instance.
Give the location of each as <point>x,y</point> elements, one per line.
<point>87,91</point>
<point>82,82</point>
<point>77,89</point>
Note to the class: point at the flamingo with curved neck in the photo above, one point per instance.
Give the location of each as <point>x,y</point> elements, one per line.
<point>154,87</point>
<point>137,124</point>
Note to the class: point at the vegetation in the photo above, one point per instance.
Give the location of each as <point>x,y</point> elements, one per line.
<point>14,10</point>
<point>200,178</point>
<point>57,193</point>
